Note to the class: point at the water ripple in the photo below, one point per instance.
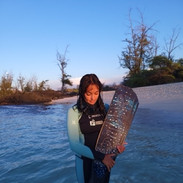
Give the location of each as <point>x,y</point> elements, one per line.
<point>34,147</point>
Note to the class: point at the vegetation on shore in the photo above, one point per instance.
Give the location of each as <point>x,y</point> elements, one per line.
<point>27,92</point>
<point>31,92</point>
<point>140,56</point>
<point>34,97</point>
<point>161,71</point>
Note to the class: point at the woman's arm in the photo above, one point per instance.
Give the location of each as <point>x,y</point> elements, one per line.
<point>74,135</point>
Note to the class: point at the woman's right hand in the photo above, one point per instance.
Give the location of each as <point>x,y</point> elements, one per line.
<point>108,161</point>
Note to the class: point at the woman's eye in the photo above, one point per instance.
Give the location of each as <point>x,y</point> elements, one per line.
<point>88,94</point>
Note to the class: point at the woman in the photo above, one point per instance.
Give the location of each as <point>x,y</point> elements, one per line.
<point>85,120</point>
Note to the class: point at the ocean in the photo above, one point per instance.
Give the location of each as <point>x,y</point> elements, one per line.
<point>34,147</point>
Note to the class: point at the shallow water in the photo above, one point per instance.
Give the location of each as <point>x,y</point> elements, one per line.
<point>34,147</point>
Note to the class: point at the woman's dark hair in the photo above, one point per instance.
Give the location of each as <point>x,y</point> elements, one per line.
<point>85,81</point>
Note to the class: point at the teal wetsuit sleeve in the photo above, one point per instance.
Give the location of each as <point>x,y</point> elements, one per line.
<point>74,135</point>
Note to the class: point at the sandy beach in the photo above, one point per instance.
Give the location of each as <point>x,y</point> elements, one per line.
<point>167,97</point>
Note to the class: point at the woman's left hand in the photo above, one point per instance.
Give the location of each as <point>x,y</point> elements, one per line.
<point>121,148</point>
<point>108,161</point>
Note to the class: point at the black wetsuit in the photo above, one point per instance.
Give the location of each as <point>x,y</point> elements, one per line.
<point>90,124</point>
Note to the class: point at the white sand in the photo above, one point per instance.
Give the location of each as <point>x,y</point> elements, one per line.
<point>167,97</point>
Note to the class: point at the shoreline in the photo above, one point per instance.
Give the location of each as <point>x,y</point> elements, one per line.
<point>167,97</point>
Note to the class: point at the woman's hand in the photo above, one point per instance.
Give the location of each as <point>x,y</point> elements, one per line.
<point>108,161</point>
<point>121,148</point>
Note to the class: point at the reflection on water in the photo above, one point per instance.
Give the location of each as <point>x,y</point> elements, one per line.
<point>34,147</point>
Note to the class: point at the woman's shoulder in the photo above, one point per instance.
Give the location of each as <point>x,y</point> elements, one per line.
<point>73,111</point>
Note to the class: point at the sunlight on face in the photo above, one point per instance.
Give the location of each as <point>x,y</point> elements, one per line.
<point>92,94</point>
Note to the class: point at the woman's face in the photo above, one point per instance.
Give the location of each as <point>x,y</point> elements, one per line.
<point>92,94</point>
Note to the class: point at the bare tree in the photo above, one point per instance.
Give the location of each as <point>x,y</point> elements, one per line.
<point>171,43</point>
<point>21,82</point>
<point>140,47</point>
<point>62,64</point>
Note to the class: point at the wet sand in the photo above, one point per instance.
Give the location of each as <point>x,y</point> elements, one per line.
<point>167,97</point>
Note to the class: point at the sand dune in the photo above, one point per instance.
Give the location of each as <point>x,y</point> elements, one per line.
<point>160,97</point>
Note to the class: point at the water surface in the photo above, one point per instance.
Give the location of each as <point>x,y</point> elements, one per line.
<point>34,147</point>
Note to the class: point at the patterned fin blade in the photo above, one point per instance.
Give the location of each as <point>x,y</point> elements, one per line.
<point>118,120</point>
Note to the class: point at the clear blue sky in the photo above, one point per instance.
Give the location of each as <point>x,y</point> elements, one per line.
<point>31,32</point>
